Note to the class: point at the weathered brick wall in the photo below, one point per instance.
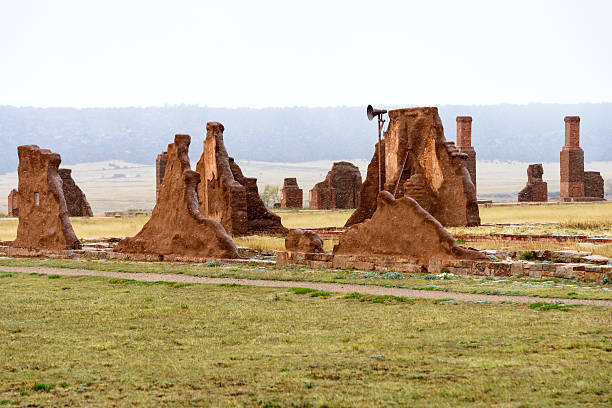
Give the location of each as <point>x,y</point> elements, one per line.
<point>13,203</point>
<point>291,194</point>
<point>464,144</point>
<point>536,190</point>
<point>593,184</point>
<point>160,169</point>
<point>572,160</point>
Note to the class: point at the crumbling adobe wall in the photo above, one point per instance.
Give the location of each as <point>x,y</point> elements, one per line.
<point>43,214</point>
<point>536,190</point>
<point>160,169</point>
<point>593,184</point>
<point>340,189</point>
<point>423,165</point>
<point>402,228</point>
<point>176,226</point>
<point>77,203</point>
<point>226,195</point>
<point>13,203</point>
<point>291,194</point>
<point>464,145</point>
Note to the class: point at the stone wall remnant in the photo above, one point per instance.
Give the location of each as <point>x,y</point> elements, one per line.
<point>291,194</point>
<point>536,189</point>
<point>13,203</point>
<point>593,184</point>
<point>340,189</point>
<point>464,145</point>
<point>402,228</point>
<point>298,240</point>
<point>77,203</point>
<point>226,195</point>
<point>418,162</point>
<point>43,213</point>
<point>177,227</point>
<point>160,169</point>
<point>572,160</point>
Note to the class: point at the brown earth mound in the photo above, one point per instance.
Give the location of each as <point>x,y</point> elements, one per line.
<point>176,226</point>
<point>401,227</point>
<point>43,214</point>
<point>418,162</point>
<point>303,241</point>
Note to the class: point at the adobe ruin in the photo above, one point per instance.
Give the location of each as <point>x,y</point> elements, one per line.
<point>160,169</point>
<point>402,228</point>
<point>575,182</point>
<point>176,226</point>
<point>536,190</point>
<point>13,203</point>
<point>464,145</point>
<point>340,189</point>
<point>77,203</point>
<point>418,162</point>
<point>227,196</point>
<point>291,194</point>
<point>572,160</point>
<point>43,213</point>
<point>593,185</point>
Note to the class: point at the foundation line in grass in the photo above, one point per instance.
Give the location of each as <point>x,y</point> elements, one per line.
<point>342,288</point>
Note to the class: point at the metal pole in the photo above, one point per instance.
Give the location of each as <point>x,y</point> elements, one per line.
<point>380,125</point>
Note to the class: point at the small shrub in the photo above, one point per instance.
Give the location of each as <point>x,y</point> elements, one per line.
<point>392,275</point>
<point>54,276</point>
<point>430,277</point>
<point>211,264</point>
<point>606,280</point>
<point>42,387</point>
<point>6,275</point>
<point>528,256</point>
<point>120,281</point>
<point>320,293</point>
<point>549,306</point>
<point>460,241</point>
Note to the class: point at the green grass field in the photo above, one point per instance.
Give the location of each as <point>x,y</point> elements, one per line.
<point>98,342</point>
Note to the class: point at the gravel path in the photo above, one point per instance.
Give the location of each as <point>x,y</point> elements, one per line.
<point>330,287</point>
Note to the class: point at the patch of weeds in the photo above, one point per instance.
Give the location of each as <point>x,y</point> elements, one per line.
<point>606,280</point>
<point>445,301</point>
<point>64,384</point>
<point>417,376</point>
<point>528,256</point>
<point>460,241</point>
<point>43,387</point>
<point>320,293</point>
<point>302,291</point>
<point>173,284</point>
<point>120,281</point>
<point>338,277</point>
<point>229,285</point>
<point>7,275</point>
<point>36,274</point>
<point>549,306</point>
<point>371,275</point>
<point>211,264</point>
<point>308,385</point>
<point>270,405</point>
<point>379,299</point>
<point>392,275</point>
<point>66,288</point>
<point>490,278</point>
<point>227,275</point>
<point>430,277</point>
<point>54,276</point>
<point>378,356</point>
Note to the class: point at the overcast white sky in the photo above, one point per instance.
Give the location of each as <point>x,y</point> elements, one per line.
<point>259,53</point>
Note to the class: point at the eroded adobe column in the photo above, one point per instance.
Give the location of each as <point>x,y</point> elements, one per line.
<point>160,169</point>
<point>464,144</point>
<point>572,160</point>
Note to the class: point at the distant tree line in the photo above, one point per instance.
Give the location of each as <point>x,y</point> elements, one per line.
<point>531,133</point>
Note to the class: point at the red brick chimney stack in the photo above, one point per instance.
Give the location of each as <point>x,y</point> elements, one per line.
<point>464,144</point>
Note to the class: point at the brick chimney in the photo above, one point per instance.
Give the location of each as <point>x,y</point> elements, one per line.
<point>464,144</point>
<point>572,160</point>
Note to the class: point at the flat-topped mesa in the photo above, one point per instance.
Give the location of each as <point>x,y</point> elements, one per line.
<point>13,203</point>
<point>227,196</point>
<point>43,214</point>
<point>291,194</point>
<point>340,189</point>
<point>176,226</point>
<point>464,144</point>
<point>418,161</point>
<point>77,203</point>
<point>402,228</point>
<point>572,160</point>
<point>536,190</point>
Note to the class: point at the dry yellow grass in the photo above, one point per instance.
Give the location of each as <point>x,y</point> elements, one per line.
<point>314,218</point>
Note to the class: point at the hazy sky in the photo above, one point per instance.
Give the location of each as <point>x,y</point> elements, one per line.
<point>259,53</point>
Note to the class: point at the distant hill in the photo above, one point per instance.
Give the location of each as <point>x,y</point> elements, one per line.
<point>526,133</point>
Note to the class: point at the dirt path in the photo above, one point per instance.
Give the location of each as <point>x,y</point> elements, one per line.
<point>330,287</point>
